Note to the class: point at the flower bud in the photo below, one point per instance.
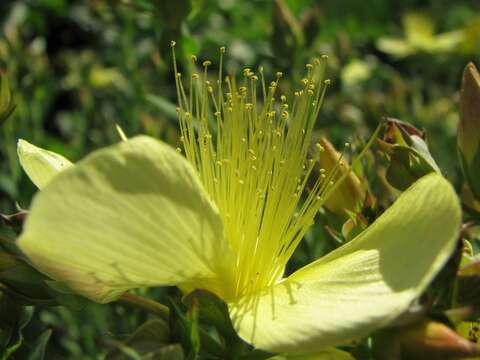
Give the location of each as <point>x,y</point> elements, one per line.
<point>6,100</point>
<point>469,128</point>
<point>426,339</point>
<point>350,194</point>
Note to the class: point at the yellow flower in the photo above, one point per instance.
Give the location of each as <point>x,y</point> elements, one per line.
<point>228,216</point>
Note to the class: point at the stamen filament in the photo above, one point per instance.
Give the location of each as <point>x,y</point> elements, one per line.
<point>252,157</point>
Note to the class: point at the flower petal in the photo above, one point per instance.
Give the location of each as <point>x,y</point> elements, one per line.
<point>131,215</point>
<point>40,165</point>
<point>363,285</point>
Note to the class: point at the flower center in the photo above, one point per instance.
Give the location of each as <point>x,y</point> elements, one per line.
<point>253,159</point>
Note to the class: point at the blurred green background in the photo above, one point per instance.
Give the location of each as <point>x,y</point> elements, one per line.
<point>78,67</point>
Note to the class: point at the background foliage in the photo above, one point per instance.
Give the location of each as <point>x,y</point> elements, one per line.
<point>78,67</point>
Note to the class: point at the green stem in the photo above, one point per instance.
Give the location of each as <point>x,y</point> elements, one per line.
<point>147,304</point>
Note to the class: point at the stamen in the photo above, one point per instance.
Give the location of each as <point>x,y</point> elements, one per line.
<point>249,154</point>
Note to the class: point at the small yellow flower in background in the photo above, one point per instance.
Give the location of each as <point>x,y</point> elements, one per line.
<point>228,216</point>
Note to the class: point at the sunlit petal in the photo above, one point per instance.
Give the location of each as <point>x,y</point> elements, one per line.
<point>130,215</point>
<point>363,285</point>
<point>40,165</point>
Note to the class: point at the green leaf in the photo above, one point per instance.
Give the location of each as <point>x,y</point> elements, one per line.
<point>186,330</point>
<point>130,215</point>
<point>40,346</point>
<point>13,318</point>
<point>148,338</point>
<point>23,282</point>
<point>213,311</point>
<point>363,285</point>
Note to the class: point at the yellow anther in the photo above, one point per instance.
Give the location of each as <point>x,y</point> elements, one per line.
<point>217,113</point>
<point>194,76</point>
<point>207,63</point>
<point>279,74</point>
<point>223,49</point>
<point>172,43</point>
<point>194,58</point>
<point>309,66</point>
<point>178,150</point>
<point>327,82</point>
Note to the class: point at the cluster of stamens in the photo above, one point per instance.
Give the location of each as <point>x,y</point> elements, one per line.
<point>254,158</point>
